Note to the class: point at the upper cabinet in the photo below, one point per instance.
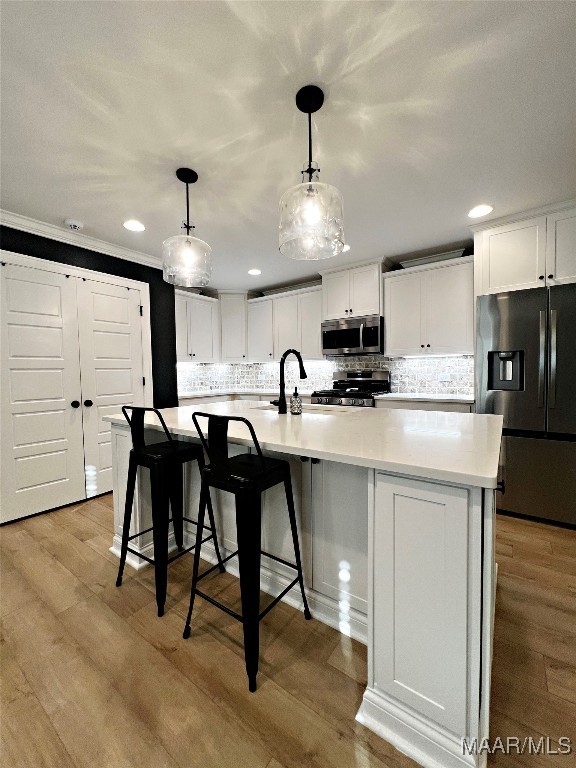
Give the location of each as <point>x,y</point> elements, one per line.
<point>530,253</point>
<point>285,322</point>
<point>260,331</point>
<point>430,310</point>
<point>197,328</point>
<point>233,321</point>
<point>351,292</point>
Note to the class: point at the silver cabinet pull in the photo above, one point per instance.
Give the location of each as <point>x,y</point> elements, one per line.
<point>553,335</point>
<point>542,359</point>
<point>361,336</point>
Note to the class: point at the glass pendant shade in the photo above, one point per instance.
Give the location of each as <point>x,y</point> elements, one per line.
<point>186,261</point>
<point>311,222</point>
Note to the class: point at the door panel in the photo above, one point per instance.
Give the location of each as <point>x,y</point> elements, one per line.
<point>539,478</point>
<point>365,290</point>
<point>403,315</point>
<point>336,295</point>
<point>310,322</point>
<point>111,359</point>
<point>449,303</point>
<point>562,388</point>
<point>183,354</point>
<point>260,331</point>
<point>42,448</point>
<point>507,322</point>
<point>286,324</point>
<point>561,247</point>
<point>202,321</point>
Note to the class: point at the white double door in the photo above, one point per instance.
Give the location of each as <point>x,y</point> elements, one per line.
<point>71,354</point>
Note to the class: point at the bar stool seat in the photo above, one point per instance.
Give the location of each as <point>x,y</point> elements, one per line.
<point>165,460</point>
<point>246,476</point>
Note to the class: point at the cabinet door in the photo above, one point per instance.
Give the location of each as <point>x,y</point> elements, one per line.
<point>513,256</point>
<point>110,333</point>
<point>561,247</point>
<point>336,295</point>
<point>310,321</point>
<point>449,310</point>
<point>42,434</point>
<point>365,287</point>
<point>260,331</point>
<point>285,325</point>
<point>403,315</point>
<point>202,330</point>
<point>419,597</point>
<point>233,328</point>
<point>339,521</point>
<point>182,351</point>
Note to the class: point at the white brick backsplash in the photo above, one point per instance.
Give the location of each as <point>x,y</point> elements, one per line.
<point>407,375</point>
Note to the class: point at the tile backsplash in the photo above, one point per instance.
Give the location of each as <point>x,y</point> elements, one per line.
<point>430,375</point>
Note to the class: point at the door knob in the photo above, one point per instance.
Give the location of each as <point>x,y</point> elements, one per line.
<point>75,403</point>
<point>88,403</point>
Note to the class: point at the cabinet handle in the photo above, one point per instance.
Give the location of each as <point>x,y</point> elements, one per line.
<point>427,345</point>
<point>270,354</point>
<point>315,461</point>
<point>88,403</point>
<point>422,345</point>
<point>243,355</point>
<point>550,277</point>
<point>540,277</point>
<point>75,403</point>
<point>346,311</point>
<point>304,459</point>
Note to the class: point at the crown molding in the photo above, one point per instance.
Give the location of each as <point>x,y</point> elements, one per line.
<point>52,232</point>
<point>544,210</point>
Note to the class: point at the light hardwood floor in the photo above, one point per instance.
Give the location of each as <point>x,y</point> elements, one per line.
<point>91,678</point>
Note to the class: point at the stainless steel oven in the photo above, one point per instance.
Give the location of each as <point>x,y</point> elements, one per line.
<point>353,336</point>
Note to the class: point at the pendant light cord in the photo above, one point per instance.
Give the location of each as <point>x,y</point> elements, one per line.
<point>187,225</point>
<point>310,169</point>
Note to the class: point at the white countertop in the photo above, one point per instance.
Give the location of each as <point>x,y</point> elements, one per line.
<point>459,448</point>
<point>412,396</point>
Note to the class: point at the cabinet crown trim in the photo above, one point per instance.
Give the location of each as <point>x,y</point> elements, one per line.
<point>428,267</point>
<point>532,213</point>
<point>283,294</point>
<point>371,263</point>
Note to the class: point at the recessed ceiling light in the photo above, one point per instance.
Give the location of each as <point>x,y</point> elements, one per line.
<point>134,225</point>
<point>254,271</point>
<point>480,210</point>
<point>346,248</point>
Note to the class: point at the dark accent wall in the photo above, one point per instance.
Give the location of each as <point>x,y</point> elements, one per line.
<point>162,319</point>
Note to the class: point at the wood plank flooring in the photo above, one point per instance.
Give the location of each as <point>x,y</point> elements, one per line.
<point>91,677</point>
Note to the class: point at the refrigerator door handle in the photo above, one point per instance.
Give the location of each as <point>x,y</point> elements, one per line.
<point>542,359</point>
<point>553,336</point>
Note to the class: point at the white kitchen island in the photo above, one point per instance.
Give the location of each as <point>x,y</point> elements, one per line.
<point>396,516</point>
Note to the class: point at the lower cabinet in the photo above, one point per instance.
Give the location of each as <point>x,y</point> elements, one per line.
<point>425,405</point>
<point>339,527</point>
<point>420,577</point>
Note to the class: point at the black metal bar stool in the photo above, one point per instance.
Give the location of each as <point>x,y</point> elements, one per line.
<point>246,476</point>
<point>165,461</point>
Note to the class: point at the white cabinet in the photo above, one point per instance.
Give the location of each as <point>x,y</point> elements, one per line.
<point>340,541</point>
<point>197,328</point>
<point>291,321</point>
<point>260,330</point>
<point>351,292</point>
<point>233,313</point>
<point>286,330</point>
<point>561,247</point>
<point>425,405</point>
<point>420,606</point>
<point>309,324</point>
<point>529,253</point>
<point>430,310</point>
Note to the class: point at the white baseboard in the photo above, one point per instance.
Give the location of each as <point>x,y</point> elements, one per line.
<point>410,735</point>
<point>323,608</point>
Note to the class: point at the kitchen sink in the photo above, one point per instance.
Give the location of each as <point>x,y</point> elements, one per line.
<point>309,408</point>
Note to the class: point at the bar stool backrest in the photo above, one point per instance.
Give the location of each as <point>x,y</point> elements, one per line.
<point>136,423</point>
<point>217,444</point>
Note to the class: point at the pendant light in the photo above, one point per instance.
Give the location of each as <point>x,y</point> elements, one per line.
<point>311,219</point>
<point>186,259</point>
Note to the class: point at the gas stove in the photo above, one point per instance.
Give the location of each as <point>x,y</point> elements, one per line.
<point>356,388</point>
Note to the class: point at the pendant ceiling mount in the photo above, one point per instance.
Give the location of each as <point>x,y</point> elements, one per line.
<point>309,99</point>
<point>186,259</point>
<point>311,218</point>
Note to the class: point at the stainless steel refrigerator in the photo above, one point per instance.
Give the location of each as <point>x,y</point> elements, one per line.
<point>526,371</point>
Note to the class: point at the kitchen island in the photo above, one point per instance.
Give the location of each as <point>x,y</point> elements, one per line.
<point>396,516</point>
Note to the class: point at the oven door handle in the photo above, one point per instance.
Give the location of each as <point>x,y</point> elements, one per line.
<point>362,337</point>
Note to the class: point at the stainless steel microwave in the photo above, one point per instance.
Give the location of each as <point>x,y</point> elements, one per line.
<point>353,336</point>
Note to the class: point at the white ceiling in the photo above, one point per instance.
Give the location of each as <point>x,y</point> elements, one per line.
<point>431,108</point>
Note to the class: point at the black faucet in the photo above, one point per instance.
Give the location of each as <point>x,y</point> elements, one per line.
<point>281,402</point>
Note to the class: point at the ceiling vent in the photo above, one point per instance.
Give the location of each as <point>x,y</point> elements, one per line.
<point>73,224</point>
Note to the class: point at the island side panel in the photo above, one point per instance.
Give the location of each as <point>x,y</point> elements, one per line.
<point>425,613</point>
